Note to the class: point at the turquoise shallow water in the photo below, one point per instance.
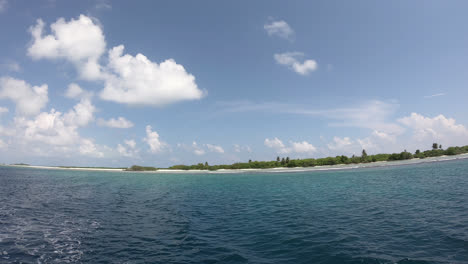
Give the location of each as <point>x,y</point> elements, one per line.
<point>402,214</point>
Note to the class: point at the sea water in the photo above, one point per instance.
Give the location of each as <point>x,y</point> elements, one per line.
<point>398,214</point>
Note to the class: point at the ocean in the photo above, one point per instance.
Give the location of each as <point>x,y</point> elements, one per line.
<point>415,213</point>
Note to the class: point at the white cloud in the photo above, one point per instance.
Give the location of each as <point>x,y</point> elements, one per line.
<point>49,128</point>
<point>238,148</point>
<point>53,133</point>
<point>81,114</point>
<point>197,150</point>
<point>303,147</point>
<point>137,80</point>
<point>279,28</point>
<point>274,143</point>
<point>291,59</point>
<point>339,143</point>
<point>79,41</point>
<point>384,136</point>
<point>295,147</point>
<point>3,110</point>
<point>423,131</point>
<point>214,148</point>
<point>131,143</point>
<point>434,95</point>
<point>87,147</point>
<point>153,141</point>
<point>120,122</point>
<point>29,99</point>
<point>75,91</point>
<point>129,149</point>
<point>55,128</point>
<point>201,149</point>
<point>128,79</point>
<point>437,129</point>
<point>347,146</point>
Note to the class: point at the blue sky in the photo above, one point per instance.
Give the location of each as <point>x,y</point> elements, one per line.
<point>227,82</point>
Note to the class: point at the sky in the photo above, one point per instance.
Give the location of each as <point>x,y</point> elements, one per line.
<point>159,83</point>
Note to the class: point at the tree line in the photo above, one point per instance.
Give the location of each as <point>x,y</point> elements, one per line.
<point>311,162</point>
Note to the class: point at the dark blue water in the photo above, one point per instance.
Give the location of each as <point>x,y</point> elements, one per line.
<point>404,214</point>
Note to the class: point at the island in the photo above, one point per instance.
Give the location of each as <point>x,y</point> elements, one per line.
<point>286,162</point>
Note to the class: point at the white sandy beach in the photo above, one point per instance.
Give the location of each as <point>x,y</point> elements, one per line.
<point>270,170</point>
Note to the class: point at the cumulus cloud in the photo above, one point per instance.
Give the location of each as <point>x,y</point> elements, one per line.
<point>347,146</point>
<point>134,80</point>
<point>291,59</point>
<point>339,143</point>
<point>55,128</point>
<point>421,132</point>
<point>53,133</point>
<point>74,91</point>
<point>436,129</point>
<point>81,114</point>
<point>79,41</point>
<point>295,147</point>
<point>131,143</point>
<point>384,136</point>
<point>303,147</point>
<point>197,149</point>
<point>275,143</point>
<point>120,122</point>
<point>137,80</point>
<point>238,148</point>
<point>128,149</point>
<point>49,128</point>
<point>214,148</point>
<point>29,99</point>
<point>153,141</point>
<point>87,147</point>
<point>280,29</point>
<point>201,149</point>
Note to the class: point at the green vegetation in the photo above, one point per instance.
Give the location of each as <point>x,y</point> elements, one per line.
<point>364,158</point>
<point>286,162</point>
<point>141,168</point>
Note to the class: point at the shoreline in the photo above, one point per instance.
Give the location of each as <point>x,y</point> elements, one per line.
<point>269,170</point>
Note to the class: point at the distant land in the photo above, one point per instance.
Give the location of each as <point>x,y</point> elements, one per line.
<point>284,162</point>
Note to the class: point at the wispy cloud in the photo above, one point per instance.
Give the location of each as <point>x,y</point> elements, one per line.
<point>434,95</point>
<point>103,4</point>
<point>11,66</point>
<point>372,114</point>
<point>291,59</point>
<point>280,29</point>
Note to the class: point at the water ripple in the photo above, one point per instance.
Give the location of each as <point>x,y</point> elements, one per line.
<point>410,214</point>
